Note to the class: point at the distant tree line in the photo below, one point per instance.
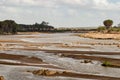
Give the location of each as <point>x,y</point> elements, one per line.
<point>43,27</point>
<point>74,30</point>
<point>11,27</point>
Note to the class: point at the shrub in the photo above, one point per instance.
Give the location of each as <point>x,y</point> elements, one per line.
<point>101,28</point>
<point>106,63</point>
<point>115,29</point>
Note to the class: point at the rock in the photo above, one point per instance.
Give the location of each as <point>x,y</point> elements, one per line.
<point>39,72</point>
<point>50,73</point>
<point>0,44</point>
<point>61,55</point>
<point>29,71</point>
<point>66,44</point>
<point>118,46</point>
<point>45,72</point>
<point>62,72</point>
<point>86,61</point>
<point>2,78</point>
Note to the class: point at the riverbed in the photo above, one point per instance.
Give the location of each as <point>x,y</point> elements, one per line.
<point>60,52</point>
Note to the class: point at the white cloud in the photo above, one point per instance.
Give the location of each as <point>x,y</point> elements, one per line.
<point>105,5</point>
<point>95,4</point>
<point>59,11</point>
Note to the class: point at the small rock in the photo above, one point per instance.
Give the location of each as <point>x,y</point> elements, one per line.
<point>2,78</point>
<point>60,54</point>
<point>0,44</point>
<point>86,61</point>
<point>39,72</point>
<point>61,72</point>
<point>45,72</point>
<point>50,73</point>
<point>118,46</point>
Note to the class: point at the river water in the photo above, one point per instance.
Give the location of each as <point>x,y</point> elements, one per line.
<point>19,72</point>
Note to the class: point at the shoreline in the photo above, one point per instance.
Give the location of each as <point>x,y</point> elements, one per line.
<point>101,36</point>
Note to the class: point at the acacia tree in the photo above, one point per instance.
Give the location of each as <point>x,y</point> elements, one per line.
<point>108,23</point>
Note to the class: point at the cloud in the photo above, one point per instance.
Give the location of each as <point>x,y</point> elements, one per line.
<point>105,5</point>
<point>92,4</point>
<point>57,12</point>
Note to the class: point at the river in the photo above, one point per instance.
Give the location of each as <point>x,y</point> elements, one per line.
<point>35,45</point>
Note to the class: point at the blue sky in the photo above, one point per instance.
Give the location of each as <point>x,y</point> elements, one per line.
<point>61,13</point>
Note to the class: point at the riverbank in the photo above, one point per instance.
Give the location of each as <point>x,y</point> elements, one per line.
<point>103,36</point>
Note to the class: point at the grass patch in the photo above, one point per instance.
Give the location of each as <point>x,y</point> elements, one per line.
<point>109,64</point>
<point>106,64</point>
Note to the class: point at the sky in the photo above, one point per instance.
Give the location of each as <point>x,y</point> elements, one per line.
<point>61,13</point>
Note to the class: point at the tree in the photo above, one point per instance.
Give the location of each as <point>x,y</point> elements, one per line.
<point>44,23</point>
<point>14,28</point>
<point>11,26</point>
<point>8,26</point>
<point>108,23</point>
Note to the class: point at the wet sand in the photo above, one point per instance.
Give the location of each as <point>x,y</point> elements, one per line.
<point>82,52</point>
<point>22,60</point>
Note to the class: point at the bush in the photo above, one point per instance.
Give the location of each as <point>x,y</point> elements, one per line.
<point>101,28</point>
<point>110,30</point>
<point>115,29</point>
<point>106,63</point>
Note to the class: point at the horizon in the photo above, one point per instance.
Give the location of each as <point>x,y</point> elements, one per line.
<point>68,13</point>
<point>59,27</point>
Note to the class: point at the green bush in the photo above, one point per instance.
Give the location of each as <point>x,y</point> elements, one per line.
<point>106,63</point>
<point>101,28</point>
<point>115,29</point>
<point>112,29</point>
